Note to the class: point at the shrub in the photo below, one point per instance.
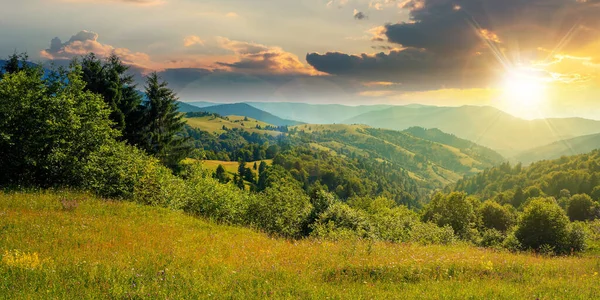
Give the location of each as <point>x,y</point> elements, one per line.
<point>281,210</point>
<point>581,208</point>
<point>341,220</point>
<point>496,216</point>
<point>491,238</point>
<point>430,233</point>
<point>454,209</point>
<point>543,222</point>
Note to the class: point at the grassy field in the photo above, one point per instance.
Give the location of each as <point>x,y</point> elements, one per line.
<point>232,166</point>
<point>214,124</point>
<point>73,246</point>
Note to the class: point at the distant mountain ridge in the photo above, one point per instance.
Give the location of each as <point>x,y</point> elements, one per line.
<point>483,125</point>
<point>574,146</point>
<point>244,109</point>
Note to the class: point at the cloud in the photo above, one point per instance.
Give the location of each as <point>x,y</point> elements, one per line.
<point>85,42</point>
<point>192,40</point>
<point>134,2</point>
<point>231,15</point>
<point>338,3</point>
<point>359,15</point>
<point>470,43</point>
<point>258,58</point>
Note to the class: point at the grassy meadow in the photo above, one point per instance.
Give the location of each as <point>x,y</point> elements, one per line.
<point>74,246</point>
<point>215,125</point>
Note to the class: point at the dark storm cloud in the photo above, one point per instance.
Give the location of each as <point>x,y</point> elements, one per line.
<point>446,41</point>
<point>418,69</point>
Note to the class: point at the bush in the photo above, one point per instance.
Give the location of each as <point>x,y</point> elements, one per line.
<point>454,209</point>
<point>496,216</point>
<point>430,233</point>
<point>281,210</point>
<point>581,208</point>
<point>223,203</point>
<point>341,220</point>
<point>542,223</point>
<point>491,238</point>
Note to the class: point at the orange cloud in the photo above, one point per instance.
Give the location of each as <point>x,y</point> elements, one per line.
<point>192,40</point>
<point>257,58</point>
<point>134,2</point>
<point>86,42</point>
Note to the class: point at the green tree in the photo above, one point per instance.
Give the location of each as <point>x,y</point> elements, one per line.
<point>581,208</point>
<point>495,216</point>
<point>49,128</point>
<point>543,223</point>
<point>110,79</point>
<point>221,175</point>
<point>16,63</point>
<point>163,132</point>
<point>454,209</point>
<point>262,167</point>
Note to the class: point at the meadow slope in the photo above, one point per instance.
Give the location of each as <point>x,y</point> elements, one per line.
<point>73,246</point>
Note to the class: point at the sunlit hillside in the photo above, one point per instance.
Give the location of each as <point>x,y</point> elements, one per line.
<point>74,246</point>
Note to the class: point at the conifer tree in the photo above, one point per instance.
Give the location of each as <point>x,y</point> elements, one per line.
<point>164,124</point>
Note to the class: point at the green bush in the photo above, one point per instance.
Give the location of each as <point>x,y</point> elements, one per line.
<point>491,237</point>
<point>542,224</point>
<point>341,218</point>
<point>496,216</point>
<point>454,209</point>
<point>581,208</point>
<point>430,233</point>
<point>281,210</point>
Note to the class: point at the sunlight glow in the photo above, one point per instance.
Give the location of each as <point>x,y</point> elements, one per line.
<point>523,93</point>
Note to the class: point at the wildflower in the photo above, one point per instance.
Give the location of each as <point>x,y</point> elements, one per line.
<point>21,259</point>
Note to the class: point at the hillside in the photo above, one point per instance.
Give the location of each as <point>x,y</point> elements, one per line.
<point>243,109</point>
<point>568,175</point>
<point>315,113</point>
<point>186,107</point>
<point>76,247</point>
<point>578,145</point>
<point>428,160</point>
<point>486,126</point>
<point>215,124</point>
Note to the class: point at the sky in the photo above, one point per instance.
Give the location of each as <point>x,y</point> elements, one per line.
<point>531,58</point>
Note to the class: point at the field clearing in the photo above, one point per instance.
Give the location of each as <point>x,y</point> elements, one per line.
<point>215,125</point>
<point>77,247</point>
<point>232,166</point>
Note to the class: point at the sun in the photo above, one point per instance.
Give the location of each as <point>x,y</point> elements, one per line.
<point>523,93</point>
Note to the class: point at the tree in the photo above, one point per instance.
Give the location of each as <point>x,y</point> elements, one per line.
<point>221,175</point>
<point>242,168</point>
<point>543,223</point>
<point>255,167</point>
<point>16,63</point>
<point>581,208</point>
<point>49,128</point>
<point>495,216</point>
<point>454,209</point>
<point>163,132</point>
<point>110,79</point>
<point>262,167</point>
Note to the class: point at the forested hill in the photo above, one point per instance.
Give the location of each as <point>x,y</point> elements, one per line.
<point>243,109</point>
<point>432,162</point>
<point>578,145</point>
<point>559,178</point>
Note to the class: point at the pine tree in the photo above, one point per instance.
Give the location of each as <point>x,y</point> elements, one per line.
<point>262,167</point>
<point>165,124</point>
<point>220,174</point>
<point>110,79</point>
<point>16,63</point>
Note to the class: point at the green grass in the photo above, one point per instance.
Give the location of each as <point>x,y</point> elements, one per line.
<point>231,167</point>
<point>87,248</point>
<point>215,125</point>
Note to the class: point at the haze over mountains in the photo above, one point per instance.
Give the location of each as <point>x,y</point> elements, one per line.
<point>484,125</point>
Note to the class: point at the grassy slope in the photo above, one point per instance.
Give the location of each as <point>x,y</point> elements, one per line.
<point>578,145</point>
<point>122,250</point>
<point>231,166</point>
<point>215,125</point>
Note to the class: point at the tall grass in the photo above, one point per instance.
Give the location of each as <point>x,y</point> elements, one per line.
<point>67,245</point>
